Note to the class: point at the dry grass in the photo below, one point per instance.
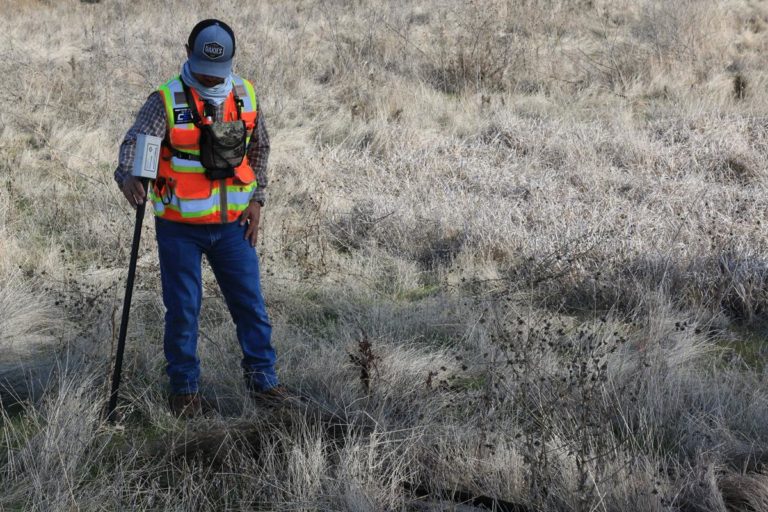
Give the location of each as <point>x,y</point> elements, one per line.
<point>546,218</point>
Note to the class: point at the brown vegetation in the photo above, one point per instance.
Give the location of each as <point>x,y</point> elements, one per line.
<point>512,248</point>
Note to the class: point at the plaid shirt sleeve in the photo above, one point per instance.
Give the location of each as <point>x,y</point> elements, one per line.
<point>258,155</point>
<point>151,121</point>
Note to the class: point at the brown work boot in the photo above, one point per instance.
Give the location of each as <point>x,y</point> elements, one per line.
<point>278,396</point>
<point>186,406</point>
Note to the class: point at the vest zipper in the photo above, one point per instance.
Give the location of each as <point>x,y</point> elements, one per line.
<point>223,198</point>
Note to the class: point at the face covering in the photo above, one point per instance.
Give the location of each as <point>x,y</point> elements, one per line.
<point>216,94</point>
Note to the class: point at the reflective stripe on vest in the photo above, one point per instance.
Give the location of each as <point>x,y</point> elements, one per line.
<point>208,210</point>
<point>182,192</point>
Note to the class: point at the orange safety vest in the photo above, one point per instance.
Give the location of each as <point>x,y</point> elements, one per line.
<point>182,192</point>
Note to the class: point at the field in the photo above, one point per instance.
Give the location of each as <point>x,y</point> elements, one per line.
<point>511,249</point>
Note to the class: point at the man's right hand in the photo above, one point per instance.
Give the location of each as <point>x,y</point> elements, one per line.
<point>133,190</point>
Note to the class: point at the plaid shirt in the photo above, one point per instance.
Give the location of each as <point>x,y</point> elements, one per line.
<point>151,121</point>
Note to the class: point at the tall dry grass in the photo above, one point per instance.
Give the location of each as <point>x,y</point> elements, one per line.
<point>546,219</point>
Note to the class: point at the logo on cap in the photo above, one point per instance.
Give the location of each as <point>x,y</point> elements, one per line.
<point>213,50</point>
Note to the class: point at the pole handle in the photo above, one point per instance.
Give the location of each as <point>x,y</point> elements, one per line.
<point>111,416</point>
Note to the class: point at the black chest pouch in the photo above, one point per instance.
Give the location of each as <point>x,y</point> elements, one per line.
<point>222,148</point>
<point>222,144</point>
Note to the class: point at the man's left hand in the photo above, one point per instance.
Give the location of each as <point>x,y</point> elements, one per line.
<point>251,217</point>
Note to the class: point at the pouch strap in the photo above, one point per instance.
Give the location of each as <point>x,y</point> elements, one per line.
<point>238,105</point>
<point>186,156</point>
<point>193,105</point>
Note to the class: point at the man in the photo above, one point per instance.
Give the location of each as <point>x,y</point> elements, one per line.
<point>211,210</point>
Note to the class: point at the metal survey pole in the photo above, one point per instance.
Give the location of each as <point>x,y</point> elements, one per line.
<point>145,169</point>
<point>127,304</point>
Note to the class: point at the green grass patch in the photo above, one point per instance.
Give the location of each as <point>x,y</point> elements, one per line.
<point>749,345</point>
<point>417,294</point>
<point>468,383</point>
<point>16,428</point>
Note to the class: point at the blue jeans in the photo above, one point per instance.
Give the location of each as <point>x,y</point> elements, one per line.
<point>236,267</point>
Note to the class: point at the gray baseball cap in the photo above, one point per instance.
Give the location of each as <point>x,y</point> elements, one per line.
<point>213,47</point>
